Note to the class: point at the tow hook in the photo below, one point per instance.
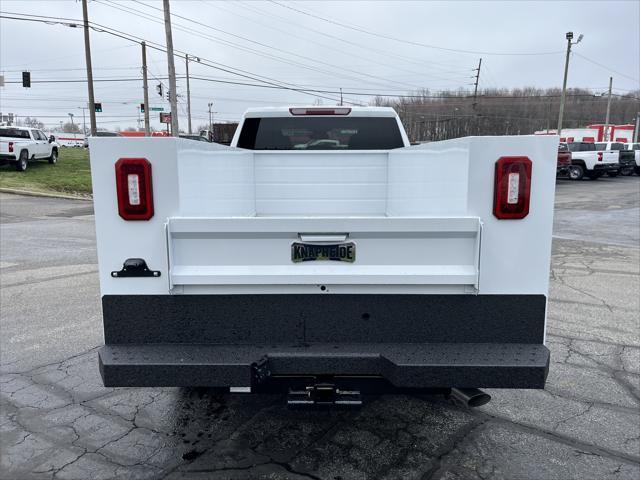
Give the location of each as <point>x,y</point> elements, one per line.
<point>324,395</point>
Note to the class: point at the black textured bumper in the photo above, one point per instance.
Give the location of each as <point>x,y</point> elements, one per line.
<point>606,167</point>
<point>402,365</point>
<point>409,341</point>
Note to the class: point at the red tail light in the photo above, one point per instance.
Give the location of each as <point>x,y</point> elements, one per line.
<point>512,188</point>
<point>10,147</point>
<point>320,111</point>
<point>599,156</point>
<point>135,188</point>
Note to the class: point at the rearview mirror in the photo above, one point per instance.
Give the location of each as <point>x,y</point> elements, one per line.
<point>52,139</point>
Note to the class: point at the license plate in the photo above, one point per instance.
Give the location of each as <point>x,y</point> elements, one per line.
<point>310,252</point>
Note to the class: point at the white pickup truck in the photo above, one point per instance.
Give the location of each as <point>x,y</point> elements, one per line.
<point>635,148</point>
<point>322,255</point>
<point>20,145</point>
<point>625,157</point>
<point>587,160</point>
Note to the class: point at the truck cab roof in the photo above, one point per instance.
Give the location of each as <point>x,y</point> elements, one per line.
<point>321,110</point>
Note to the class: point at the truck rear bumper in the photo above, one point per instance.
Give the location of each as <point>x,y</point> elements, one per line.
<point>606,167</point>
<point>401,365</point>
<point>408,341</point>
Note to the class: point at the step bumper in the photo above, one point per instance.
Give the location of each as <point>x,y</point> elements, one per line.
<point>402,365</point>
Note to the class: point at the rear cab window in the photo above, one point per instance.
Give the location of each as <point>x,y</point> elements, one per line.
<point>320,133</point>
<point>14,133</point>
<point>582,147</point>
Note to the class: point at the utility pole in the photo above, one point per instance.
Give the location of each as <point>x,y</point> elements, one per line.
<point>87,54</point>
<point>475,88</point>
<point>569,37</point>
<point>210,104</point>
<point>606,121</point>
<point>172,70</point>
<point>340,96</point>
<point>145,87</point>
<point>186,58</point>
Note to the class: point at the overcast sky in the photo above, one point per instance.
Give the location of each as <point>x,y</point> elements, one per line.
<point>364,47</point>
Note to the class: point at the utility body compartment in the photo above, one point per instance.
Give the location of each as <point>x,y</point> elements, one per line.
<point>265,268</point>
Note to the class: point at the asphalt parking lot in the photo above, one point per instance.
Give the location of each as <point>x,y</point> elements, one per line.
<point>57,421</point>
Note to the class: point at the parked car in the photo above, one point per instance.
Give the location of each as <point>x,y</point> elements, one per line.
<point>586,160</point>
<point>323,256</point>
<point>21,145</point>
<point>564,160</point>
<point>626,158</point>
<point>635,148</point>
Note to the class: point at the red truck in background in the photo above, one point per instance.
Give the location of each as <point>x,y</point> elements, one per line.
<point>564,159</point>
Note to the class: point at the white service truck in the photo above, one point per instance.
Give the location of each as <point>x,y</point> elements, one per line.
<point>20,145</point>
<point>322,255</point>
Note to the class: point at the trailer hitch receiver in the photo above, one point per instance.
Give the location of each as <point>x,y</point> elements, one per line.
<point>324,395</point>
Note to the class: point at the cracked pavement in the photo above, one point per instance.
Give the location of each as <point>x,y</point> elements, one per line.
<point>58,421</point>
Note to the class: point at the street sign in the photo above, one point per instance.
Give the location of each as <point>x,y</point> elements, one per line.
<point>165,117</point>
<point>157,109</point>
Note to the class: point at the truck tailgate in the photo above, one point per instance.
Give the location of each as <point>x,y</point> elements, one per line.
<point>241,251</point>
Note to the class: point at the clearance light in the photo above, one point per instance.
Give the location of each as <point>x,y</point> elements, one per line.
<point>512,188</point>
<point>134,188</point>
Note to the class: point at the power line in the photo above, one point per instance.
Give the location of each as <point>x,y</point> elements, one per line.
<point>203,61</point>
<point>322,91</point>
<point>409,42</point>
<point>250,50</point>
<point>605,67</point>
<point>344,51</point>
<point>392,55</point>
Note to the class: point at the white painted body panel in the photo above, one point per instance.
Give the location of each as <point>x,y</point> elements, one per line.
<point>390,251</point>
<point>421,218</point>
<point>581,134</point>
<point>590,158</point>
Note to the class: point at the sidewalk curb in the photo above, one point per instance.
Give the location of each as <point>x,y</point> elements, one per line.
<point>30,193</point>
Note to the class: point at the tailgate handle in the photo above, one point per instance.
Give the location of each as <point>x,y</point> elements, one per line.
<point>323,237</point>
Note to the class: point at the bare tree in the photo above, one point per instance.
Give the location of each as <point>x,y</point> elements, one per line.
<point>70,128</point>
<point>431,116</point>
<point>33,123</point>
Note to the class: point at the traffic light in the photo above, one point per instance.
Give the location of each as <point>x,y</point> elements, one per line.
<point>26,79</point>
<point>169,95</point>
<point>159,89</point>
<point>97,107</point>
<point>142,108</point>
